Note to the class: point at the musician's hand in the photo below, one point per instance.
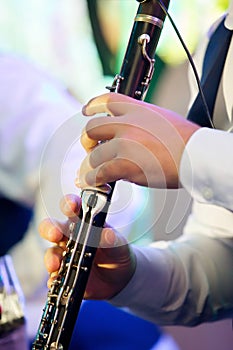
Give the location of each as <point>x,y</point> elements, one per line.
<point>114,263</point>
<point>145,143</point>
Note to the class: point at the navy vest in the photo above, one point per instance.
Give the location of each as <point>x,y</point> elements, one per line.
<point>14,220</point>
<point>213,65</point>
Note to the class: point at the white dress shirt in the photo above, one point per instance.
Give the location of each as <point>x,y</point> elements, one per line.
<point>190,280</point>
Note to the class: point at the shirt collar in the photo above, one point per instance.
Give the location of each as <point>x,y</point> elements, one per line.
<point>229,17</point>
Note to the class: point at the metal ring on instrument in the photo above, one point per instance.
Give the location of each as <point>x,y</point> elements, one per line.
<point>150,19</point>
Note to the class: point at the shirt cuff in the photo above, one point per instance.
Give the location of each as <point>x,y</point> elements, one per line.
<point>148,287</point>
<point>206,169</point>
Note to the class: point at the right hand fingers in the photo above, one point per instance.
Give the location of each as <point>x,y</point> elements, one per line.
<point>52,260</point>
<point>51,230</point>
<point>70,205</point>
<point>55,231</point>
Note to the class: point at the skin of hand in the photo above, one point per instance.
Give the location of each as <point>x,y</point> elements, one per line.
<point>114,262</point>
<point>144,143</point>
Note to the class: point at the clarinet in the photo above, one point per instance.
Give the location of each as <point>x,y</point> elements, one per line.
<point>67,291</point>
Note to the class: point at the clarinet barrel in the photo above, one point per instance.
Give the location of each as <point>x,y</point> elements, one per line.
<point>138,64</point>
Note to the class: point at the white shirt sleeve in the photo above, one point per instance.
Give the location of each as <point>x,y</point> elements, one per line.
<point>187,281</point>
<point>206,169</point>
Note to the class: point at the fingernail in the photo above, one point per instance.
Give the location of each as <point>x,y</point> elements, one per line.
<point>110,238</point>
<point>84,109</point>
<point>78,183</point>
<point>67,208</point>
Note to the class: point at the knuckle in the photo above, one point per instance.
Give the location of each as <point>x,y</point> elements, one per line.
<point>118,145</point>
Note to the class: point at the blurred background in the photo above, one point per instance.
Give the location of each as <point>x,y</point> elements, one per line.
<point>82,43</point>
<point>58,35</point>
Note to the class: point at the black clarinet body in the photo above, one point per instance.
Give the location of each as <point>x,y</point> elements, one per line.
<point>138,64</point>
<point>66,294</point>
